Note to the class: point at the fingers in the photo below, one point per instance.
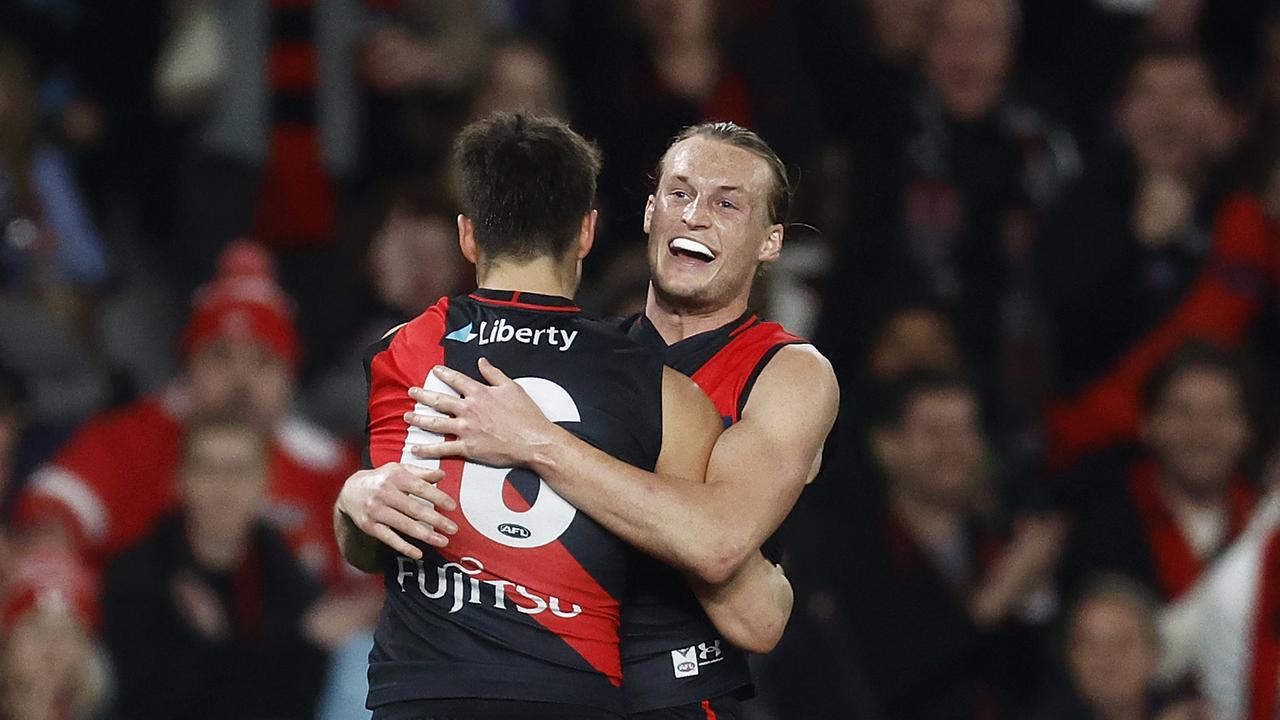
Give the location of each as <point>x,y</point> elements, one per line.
<point>462,384</point>
<point>422,508</point>
<point>419,507</point>
<point>408,526</point>
<point>491,373</point>
<point>446,404</point>
<point>438,424</point>
<point>430,475</point>
<point>432,494</point>
<point>388,537</point>
<point>449,448</point>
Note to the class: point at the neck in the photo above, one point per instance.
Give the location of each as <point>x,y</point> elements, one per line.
<point>675,323</point>
<point>213,552</point>
<point>932,524</point>
<point>542,276</point>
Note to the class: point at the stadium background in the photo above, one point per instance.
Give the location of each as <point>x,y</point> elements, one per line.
<point>1054,200</point>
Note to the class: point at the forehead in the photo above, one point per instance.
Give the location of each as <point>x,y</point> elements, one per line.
<point>949,402</point>
<point>1202,380</point>
<point>705,161</point>
<point>1111,610</point>
<point>967,14</point>
<point>221,443</point>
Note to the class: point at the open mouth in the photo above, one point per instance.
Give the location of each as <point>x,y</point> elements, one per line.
<point>686,248</point>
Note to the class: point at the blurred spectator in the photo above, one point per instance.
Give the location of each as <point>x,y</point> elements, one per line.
<point>1078,51</point>
<point>520,76</point>
<point>419,65</point>
<point>661,65</point>
<point>1162,517</point>
<point>49,238</point>
<point>205,616</point>
<point>51,258</point>
<point>279,145</point>
<point>913,338</point>
<point>948,202</point>
<point>51,668</point>
<point>1223,631</point>
<point>413,261</point>
<point>868,45</point>
<point>1145,253</point>
<point>928,596</point>
<point>115,477</point>
<point>1113,652</point>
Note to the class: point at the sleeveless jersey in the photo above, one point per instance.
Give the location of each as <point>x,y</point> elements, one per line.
<point>524,602</point>
<point>672,654</point>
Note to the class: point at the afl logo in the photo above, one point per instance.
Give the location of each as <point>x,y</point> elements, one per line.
<point>686,667</point>
<point>514,530</point>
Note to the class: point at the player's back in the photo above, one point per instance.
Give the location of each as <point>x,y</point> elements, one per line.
<point>523,603</point>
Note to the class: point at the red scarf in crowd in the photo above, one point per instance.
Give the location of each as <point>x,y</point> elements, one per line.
<point>1264,675</point>
<point>1176,564</point>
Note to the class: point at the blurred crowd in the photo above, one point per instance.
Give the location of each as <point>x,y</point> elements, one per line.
<point>1040,243</point>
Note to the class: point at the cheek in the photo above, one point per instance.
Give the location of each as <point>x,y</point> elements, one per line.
<point>272,383</point>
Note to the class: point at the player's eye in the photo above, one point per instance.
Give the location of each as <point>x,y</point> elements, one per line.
<point>728,205</point>
<point>679,194</point>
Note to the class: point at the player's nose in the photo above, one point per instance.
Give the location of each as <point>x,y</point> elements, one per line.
<point>695,214</point>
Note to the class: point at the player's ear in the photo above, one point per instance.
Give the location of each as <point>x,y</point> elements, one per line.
<point>772,246</point>
<point>648,213</point>
<point>467,239</point>
<point>587,233</point>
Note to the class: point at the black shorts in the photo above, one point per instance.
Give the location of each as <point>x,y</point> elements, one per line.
<point>721,708</point>
<point>477,709</point>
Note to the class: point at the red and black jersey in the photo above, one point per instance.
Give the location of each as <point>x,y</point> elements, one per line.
<point>524,602</point>
<point>672,654</point>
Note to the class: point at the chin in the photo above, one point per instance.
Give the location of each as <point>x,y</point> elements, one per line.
<point>678,294</point>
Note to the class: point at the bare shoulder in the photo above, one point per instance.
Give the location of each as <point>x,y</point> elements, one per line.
<point>801,367</point>
<point>797,390</point>
<point>684,402</point>
<point>690,427</point>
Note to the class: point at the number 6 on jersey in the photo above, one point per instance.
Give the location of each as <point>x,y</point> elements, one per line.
<point>480,493</point>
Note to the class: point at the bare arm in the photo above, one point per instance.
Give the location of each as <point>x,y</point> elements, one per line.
<point>756,471</point>
<point>751,607</point>
<point>381,506</point>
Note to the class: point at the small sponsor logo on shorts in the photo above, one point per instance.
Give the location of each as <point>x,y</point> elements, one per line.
<point>685,662</point>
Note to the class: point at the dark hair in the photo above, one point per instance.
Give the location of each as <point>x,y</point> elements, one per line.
<point>734,134</point>
<point>526,182</point>
<point>1114,585</point>
<point>896,397</point>
<point>1195,355</point>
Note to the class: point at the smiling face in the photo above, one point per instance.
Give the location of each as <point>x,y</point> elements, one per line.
<point>968,56</point>
<point>1112,653</point>
<point>709,224</point>
<point>1199,431</point>
<point>935,452</point>
<point>1168,111</point>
